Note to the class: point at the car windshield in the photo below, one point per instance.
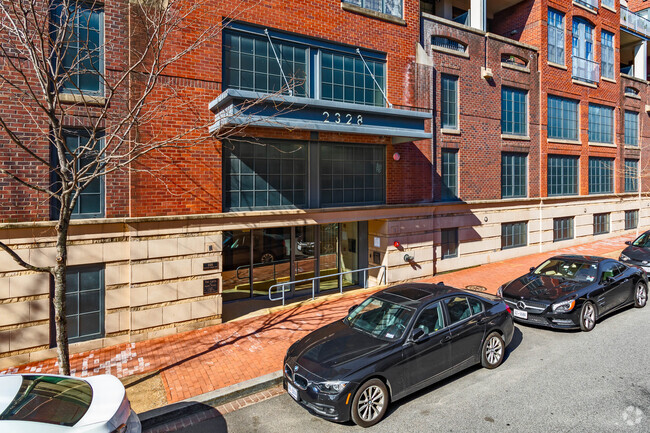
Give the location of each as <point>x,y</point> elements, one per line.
<point>568,269</point>
<point>53,400</point>
<point>380,318</point>
<point>642,241</point>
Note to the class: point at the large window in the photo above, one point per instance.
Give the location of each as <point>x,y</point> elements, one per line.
<point>351,174</point>
<point>264,175</point>
<point>601,223</point>
<point>562,229</point>
<point>449,175</point>
<point>601,124</point>
<point>601,175</point>
<point>84,300</point>
<point>514,235</point>
<point>607,54</point>
<point>514,108</point>
<point>345,78</point>
<point>449,243</point>
<point>513,175</point>
<point>555,37</point>
<point>389,7</point>
<point>449,101</point>
<point>250,64</point>
<point>562,175</point>
<point>631,219</point>
<point>631,128</point>
<point>314,68</point>
<point>584,66</point>
<point>631,175</point>
<point>562,118</point>
<point>82,53</point>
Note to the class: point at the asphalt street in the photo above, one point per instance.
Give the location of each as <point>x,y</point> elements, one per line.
<point>551,381</point>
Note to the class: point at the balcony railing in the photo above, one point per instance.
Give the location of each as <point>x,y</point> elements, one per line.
<point>635,22</point>
<point>593,4</point>
<point>608,3</point>
<point>586,70</point>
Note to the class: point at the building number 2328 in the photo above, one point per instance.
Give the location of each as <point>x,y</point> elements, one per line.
<point>337,118</point>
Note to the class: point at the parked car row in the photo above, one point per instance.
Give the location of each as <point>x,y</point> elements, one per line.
<point>409,336</point>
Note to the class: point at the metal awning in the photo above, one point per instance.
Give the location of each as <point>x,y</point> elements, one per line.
<point>245,108</point>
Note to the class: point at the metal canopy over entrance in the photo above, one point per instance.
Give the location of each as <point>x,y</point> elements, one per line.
<point>241,107</point>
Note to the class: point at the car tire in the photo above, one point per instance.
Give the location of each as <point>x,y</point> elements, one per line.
<point>640,294</point>
<point>370,403</point>
<point>267,258</point>
<point>588,317</point>
<point>493,351</point>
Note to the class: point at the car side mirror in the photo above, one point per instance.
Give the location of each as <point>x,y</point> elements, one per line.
<point>628,242</point>
<point>417,335</point>
<point>532,268</point>
<point>352,308</point>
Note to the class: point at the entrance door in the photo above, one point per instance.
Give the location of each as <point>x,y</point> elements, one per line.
<point>328,260</point>
<point>305,257</point>
<point>350,253</point>
<point>271,259</point>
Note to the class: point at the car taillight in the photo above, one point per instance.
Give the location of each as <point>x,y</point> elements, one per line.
<point>508,309</point>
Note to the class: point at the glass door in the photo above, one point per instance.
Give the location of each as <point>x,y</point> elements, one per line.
<point>271,259</point>
<point>305,257</point>
<point>328,259</point>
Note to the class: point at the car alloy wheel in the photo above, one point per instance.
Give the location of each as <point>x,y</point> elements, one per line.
<point>587,317</point>
<point>266,258</point>
<point>370,403</point>
<point>493,351</point>
<point>640,295</point>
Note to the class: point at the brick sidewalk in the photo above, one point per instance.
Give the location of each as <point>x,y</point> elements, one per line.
<point>200,361</point>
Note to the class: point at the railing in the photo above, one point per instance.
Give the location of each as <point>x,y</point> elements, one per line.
<point>593,4</point>
<point>609,3</point>
<point>635,22</point>
<point>586,70</point>
<point>313,280</point>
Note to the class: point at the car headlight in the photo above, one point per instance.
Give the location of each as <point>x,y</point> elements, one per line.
<point>624,258</point>
<point>330,387</point>
<point>564,306</point>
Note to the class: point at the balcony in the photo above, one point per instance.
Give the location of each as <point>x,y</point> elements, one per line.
<point>585,70</point>
<point>591,4</point>
<point>635,22</point>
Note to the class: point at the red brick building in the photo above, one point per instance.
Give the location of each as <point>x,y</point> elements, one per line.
<point>397,139</point>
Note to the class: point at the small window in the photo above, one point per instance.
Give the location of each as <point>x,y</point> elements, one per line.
<point>449,175</point>
<point>458,309</point>
<point>631,175</point>
<point>555,37</point>
<point>475,305</point>
<point>514,235</point>
<point>513,60</point>
<point>449,101</point>
<point>631,219</point>
<point>388,7</point>
<point>449,243</point>
<point>601,223</point>
<point>514,111</point>
<point>431,319</point>
<point>631,91</point>
<point>631,128</point>
<point>513,175</point>
<point>562,229</point>
<point>448,44</point>
<point>84,299</point>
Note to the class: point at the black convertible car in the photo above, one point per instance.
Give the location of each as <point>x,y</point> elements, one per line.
<point>572,292</point>
<point>395,342</point>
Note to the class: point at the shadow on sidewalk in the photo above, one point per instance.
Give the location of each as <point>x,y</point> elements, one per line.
<point>180,416</point>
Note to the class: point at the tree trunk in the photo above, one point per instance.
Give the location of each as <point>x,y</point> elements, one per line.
<point>59,273</point>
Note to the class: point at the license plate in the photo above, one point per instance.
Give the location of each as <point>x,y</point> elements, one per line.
<point>520,314</point>
<point>293,392</point>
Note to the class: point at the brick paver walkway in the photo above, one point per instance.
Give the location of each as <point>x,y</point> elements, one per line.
<point>200,361</point>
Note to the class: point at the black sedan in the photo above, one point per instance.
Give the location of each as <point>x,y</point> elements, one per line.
<point>638,252</point>
<point>572,292</point>
<point>395,342</point>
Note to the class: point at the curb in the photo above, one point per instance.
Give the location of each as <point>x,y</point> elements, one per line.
<point>208,400</point>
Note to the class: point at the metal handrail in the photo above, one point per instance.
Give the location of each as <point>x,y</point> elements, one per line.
<point>314,279</point>
<point>274,263</point>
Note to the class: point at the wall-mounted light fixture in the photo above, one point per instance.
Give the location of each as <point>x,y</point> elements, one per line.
<point>396,156</point>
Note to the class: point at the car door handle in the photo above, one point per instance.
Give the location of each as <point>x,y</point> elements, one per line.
<point>446,339</point>
<point>483,321</point>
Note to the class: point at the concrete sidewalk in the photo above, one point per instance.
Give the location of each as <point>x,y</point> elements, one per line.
<point>193,365</point>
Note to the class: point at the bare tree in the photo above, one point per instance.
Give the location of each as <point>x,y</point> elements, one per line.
<point>51,52</point>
